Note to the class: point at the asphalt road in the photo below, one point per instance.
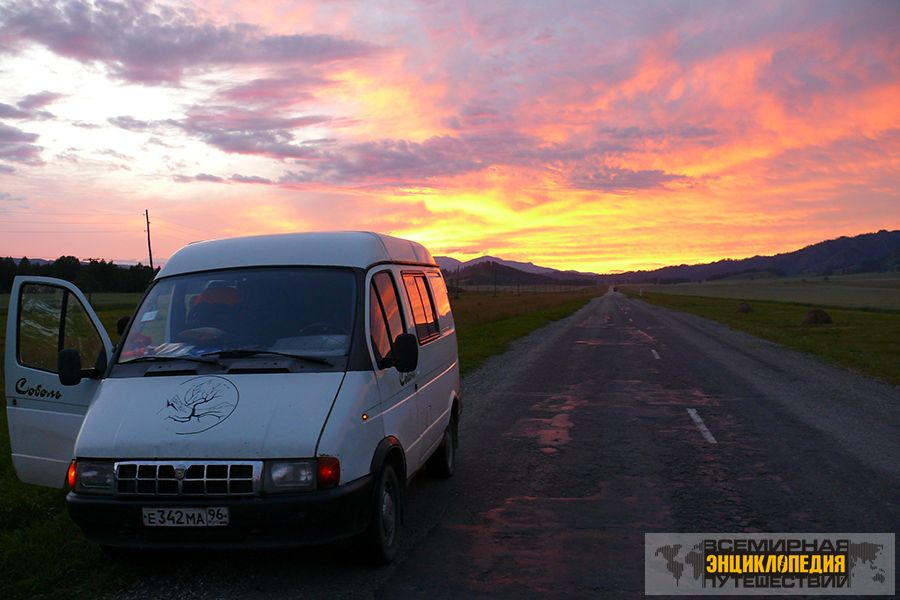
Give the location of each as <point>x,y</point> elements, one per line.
<point>579,440</point>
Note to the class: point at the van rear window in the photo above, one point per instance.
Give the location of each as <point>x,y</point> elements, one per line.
<point>422,306</point>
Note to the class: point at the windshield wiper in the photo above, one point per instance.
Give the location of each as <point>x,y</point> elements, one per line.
<point>244,352</point>
<point>197,359</point>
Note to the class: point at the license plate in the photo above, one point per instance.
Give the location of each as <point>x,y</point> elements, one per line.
<point>186,517</point>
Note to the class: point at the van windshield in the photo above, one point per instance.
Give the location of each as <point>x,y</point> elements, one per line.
<point>303,311</point>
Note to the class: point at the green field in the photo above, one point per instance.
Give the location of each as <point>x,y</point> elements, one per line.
<point>42,552</point>
<point>867,341</point>
<point>867,290</point>
<point>102,300</point>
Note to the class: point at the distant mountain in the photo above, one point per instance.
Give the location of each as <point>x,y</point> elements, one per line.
<point>450,264</point>
<point>447,263</point>
<point>494,273</point>
<point>550,276</point>
<point>891,262</point>
<point>525,267</point>
<point>859,254</point>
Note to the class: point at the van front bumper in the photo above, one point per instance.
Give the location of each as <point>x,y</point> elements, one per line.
<point>260,521</point>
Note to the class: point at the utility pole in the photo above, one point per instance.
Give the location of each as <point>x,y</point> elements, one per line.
<point>149,248</point>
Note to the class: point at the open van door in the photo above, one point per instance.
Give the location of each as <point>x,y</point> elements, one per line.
<point>45,316</point>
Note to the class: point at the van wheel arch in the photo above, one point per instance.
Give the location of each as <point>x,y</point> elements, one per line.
<point>389,451</point>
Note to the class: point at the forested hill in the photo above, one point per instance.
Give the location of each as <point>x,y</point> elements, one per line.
<point>91,275</point>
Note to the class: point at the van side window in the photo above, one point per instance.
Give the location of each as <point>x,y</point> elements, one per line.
<point>381,341</point>
<point>51,319</point>
<point>40,324</point>
<point>422,306</point>
<point>384,283</point>
<point>386,322</point>
<point>441,299</point>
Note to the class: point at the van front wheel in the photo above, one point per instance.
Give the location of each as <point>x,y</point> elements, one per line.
<point>381,539</point>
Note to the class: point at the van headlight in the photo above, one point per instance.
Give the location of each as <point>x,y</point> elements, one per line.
<point>290,476</point>
<point>94,477</point>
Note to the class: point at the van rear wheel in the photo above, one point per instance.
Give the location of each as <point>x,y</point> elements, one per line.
<point>443,462</point>
<point>381,539</point>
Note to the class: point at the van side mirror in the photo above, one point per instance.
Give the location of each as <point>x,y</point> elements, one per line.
<point>69,367</point>
<point>406,352</point>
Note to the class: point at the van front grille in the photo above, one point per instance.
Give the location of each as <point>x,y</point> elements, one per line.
<point>188,478</point>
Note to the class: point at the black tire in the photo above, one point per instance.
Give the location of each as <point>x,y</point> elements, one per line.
<point>382,537</point>
<point>443,462</point>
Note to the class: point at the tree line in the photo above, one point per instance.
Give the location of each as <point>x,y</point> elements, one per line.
<point>91,276</point>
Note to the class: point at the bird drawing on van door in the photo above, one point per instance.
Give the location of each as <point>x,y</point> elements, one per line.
<point>204,400</point>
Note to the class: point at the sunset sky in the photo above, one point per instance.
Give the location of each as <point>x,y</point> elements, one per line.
<point>592,135</point>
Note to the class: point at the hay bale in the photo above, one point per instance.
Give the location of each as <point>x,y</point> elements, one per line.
<point>744,307</point>
<point>817,316</point>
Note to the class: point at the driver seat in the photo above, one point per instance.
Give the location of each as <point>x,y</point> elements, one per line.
<point>215,307</point>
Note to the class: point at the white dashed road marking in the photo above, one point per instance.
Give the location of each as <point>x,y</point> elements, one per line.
<point>655,354</point>
<point>704,431</point>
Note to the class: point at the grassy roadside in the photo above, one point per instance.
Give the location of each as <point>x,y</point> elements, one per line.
<point>42,552</point>
<point>867,341</point>
<point>879,291</point>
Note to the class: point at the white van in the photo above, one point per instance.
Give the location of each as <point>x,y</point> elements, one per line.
<point>270,390</point>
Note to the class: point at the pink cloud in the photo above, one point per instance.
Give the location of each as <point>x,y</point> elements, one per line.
<point>17,146</point>
<point>156,43</point>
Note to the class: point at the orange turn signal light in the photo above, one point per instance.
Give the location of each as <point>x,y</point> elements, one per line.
<point>70,476</point>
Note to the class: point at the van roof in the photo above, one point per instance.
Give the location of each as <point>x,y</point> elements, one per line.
<point>336,248</point>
